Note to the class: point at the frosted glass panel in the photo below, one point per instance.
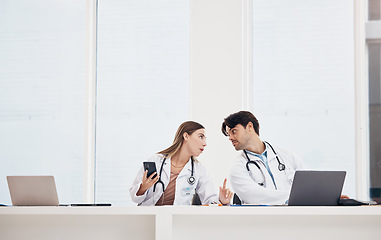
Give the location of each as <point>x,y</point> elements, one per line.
<point>42,93</point>
<point>143,85</point>
<point>304,81</point>
<point>374,50</point>
<point>374,9</point>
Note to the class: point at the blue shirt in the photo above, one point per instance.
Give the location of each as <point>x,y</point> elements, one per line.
<point>263,157</point>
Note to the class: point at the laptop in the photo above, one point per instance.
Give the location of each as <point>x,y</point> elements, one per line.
<point>37,191</point>
<point>33,190</point>
<point>316,188</point>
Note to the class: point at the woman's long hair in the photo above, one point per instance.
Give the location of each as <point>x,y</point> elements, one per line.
<point>186,127</point>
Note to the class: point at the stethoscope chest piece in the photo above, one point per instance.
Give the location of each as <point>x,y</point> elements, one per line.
<point>281,167</point>
<point>191,180</point>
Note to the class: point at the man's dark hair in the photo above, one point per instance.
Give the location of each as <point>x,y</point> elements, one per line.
<point>241,117</point>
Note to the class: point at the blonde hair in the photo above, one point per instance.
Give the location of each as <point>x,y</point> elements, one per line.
<point>186,127</point>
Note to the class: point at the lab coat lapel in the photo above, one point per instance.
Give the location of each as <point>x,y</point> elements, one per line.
<point>251,157</point>
<point>273,163</point>
<point>270,154</point>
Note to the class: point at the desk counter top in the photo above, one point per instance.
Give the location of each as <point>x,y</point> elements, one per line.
<point>197,210</point>
<point>186,222</point>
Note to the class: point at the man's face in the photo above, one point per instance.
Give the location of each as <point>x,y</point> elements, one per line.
<point>239,136</point>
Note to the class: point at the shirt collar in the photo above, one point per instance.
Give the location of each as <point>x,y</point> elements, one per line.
<point>264,154</point>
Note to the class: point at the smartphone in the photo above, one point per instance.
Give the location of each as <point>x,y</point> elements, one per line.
<point>89,204</point>
<point>151,167</point>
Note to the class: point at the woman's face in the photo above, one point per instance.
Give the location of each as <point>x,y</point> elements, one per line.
<point>196,142</point>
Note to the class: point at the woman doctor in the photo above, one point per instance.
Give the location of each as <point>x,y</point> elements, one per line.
<point>180,176</point>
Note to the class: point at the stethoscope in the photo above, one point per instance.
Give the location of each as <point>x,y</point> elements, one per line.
<point>191,180</point>
<point>281,166</point>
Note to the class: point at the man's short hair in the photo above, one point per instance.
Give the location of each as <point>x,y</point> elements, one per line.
<point>241,117</point>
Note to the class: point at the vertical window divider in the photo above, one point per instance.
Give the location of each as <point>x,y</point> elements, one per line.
<point>247,54</point>
<point>361,102</point>
<point>90,101</point>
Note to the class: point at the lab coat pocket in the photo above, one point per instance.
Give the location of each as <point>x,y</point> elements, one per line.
<point>185,191</point>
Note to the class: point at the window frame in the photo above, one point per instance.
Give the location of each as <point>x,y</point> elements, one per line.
<point>363,31</point>
<point>372,29</point>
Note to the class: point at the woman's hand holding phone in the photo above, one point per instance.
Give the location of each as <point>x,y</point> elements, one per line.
<point>147,182</point>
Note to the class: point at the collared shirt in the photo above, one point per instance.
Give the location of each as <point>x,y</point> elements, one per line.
<point>168,196</point>
<point>263,158</point>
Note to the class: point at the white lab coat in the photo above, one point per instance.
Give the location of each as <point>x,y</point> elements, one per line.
<point>184,191</point>
<point>246,184</point>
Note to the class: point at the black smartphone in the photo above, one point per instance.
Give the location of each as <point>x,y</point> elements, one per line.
<point>89,204</point>
<point>151,167</point>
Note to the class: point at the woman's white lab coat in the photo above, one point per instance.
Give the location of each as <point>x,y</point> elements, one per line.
<point>184,191</point>
<point>247,184</point>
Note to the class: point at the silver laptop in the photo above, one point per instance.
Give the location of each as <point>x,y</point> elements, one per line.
<point>316,188</point>
<point>33,190</point>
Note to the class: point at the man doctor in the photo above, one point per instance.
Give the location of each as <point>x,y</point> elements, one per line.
<point>262,173</point>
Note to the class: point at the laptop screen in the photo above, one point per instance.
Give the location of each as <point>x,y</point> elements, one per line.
<point>316,188</point>
<point>33,190</point>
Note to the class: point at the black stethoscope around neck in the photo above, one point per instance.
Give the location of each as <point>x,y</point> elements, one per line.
<point>191,180</point>
<point>281,166</point>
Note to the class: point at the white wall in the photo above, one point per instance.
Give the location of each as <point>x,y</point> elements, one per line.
<point>217,77</point>
<point>220,57</point>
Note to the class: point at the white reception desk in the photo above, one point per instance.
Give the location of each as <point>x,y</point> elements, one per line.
<point>192,222</point>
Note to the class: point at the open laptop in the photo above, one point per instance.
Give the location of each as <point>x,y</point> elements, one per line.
<point>37,191</point>
<point>316,188</point>
<point>33,190</point>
